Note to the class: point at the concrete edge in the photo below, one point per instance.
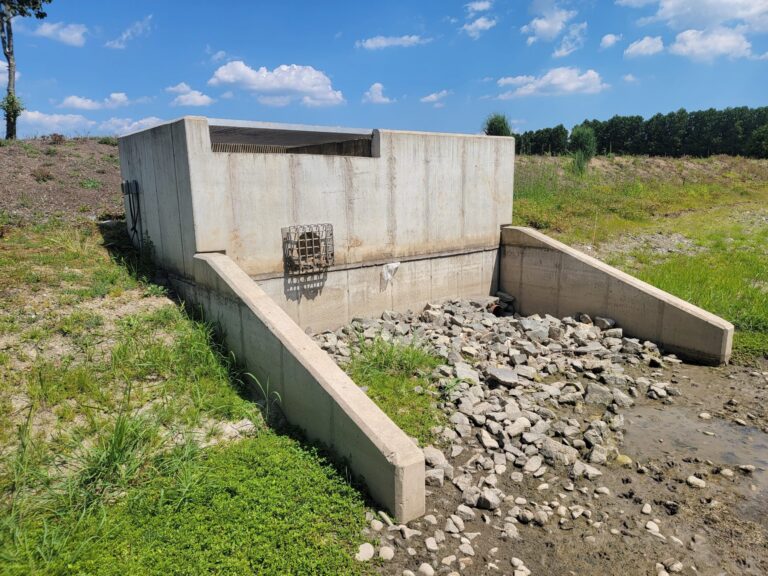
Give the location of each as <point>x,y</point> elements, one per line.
<point>407,501</point>
<point>524,237</point>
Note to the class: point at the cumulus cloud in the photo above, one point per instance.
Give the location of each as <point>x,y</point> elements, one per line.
<point>186,96</point>
<point>380,42</point>
<point>34,122</point>
<point>120,126</point>
<point>706,13</point>
<point>564,80</point>
<point>135,30</point>
<point>630,78</point>
<point>572,41</point>
<point>646,46</point>
<point>281,86</point>
<point>436,98</point>
<point>710,44</point>
<point>114,100</point>
<point>609,40</point>
<point>375,95</point>
<point>70,34</point>
<point>549,25</point>
<point>475,28</point>
<point>479,6</point>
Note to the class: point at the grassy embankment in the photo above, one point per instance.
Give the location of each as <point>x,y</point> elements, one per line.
<point>717,207</point>
<point>117,451</point>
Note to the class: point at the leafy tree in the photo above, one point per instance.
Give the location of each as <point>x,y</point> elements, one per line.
<point>8,10</point>
<point>497,125</point>
<point>758,143</point>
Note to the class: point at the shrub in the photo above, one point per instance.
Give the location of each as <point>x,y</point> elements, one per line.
<point>108,140</point>
<point>57,139</point>
<point>41,175</point>
<point>497,125</point>
<point>90,184</point>
<point>583,140</point>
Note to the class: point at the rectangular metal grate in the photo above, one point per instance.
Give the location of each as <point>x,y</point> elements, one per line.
<point>307,248</point>
<point>248,148</point>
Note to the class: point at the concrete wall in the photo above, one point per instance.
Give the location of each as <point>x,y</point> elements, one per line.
<point>315,393</point>
<point>422,195</point>
<point>422,199</point>
<point>546,276</point>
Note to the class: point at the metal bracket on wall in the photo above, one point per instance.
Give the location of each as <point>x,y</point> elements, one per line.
<point>131,191</point>
<point>307,248</point>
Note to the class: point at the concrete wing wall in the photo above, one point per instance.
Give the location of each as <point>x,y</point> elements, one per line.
<point>315,394</point>
<point>546,276</point>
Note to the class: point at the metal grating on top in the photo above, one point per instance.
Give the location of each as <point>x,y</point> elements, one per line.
<point>248,148</point>
<point>308,248</point>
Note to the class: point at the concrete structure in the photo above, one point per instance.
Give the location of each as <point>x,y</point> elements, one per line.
<point>546,276</point>
<point>275,229</point>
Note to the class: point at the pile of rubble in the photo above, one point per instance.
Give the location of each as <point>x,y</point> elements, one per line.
<point>516,451</point>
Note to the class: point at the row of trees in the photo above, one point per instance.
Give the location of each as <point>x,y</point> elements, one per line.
<point>734,131</point>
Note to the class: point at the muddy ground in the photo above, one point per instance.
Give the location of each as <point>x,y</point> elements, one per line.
<point>722,529</point>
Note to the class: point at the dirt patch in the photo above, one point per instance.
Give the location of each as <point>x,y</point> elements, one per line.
<point>657,243</point>
<point>78,179</point>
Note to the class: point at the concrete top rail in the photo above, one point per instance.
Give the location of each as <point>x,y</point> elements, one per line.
<point>547,276</point>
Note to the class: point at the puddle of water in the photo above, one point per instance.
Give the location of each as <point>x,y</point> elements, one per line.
<point>682,432</point>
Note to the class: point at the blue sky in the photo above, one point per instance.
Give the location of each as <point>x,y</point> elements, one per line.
<point>109,67</point>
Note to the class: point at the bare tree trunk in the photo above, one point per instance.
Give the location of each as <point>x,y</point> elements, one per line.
<point>6,34</point>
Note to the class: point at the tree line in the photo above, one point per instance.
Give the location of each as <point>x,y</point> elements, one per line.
<point>739,131</point>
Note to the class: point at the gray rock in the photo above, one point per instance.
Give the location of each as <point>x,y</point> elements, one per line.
<point>364,553</point>
<point>503,377</point>
<point>557,452</point>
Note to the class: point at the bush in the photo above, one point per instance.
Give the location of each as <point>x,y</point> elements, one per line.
<point>57,139</point>
<point>108,140</point>
<point>583,140</point>
<point>41,175</point>
<point>497,125</point>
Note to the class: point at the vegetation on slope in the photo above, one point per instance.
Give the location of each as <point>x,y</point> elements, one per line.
<point>126,442</point>
<point>716,206</point>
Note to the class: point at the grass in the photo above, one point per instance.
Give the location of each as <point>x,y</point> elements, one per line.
<point>109,394</point>
<point>397,380</point>
<point>91,184</point>
<point>707,201</point>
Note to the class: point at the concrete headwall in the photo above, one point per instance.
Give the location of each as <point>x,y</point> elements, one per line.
<point>546,276</point>
<point>314,392</point>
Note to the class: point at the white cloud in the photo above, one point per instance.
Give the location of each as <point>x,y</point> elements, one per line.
<point>135,30</point>
<point>436,98</point>
<point>479,6</point>
<point>609,40</point>
<point>280,86</point>
<point>4,74</point>
<point>375,94</point>
<point>35,122</point>
<point>706,13</point>
<point>475,28</point>
<point>572,41</point>
<point>646,46</point>
<point>709,44</point>
<point>380,42</point>
<point>565,80</point>
<point>114,100</point>
<point>71,34</point>
<point>548,26</point>
<point>514,80</point>
<point>187,96</point>
<point>630,79</point>
<point>122,126</point>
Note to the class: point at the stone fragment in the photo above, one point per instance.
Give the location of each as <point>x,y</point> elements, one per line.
<point>364,553</point>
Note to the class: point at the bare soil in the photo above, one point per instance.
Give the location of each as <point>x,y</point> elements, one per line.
<point>75,180</point>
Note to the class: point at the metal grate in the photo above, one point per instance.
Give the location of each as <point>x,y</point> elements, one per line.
<point>248,148</point>
<point>308,248</point>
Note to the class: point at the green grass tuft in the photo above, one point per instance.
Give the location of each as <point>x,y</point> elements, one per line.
<point>391,372</point>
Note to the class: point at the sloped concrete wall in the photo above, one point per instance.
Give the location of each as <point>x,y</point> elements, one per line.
<point>314,392</point>
<point>546,276</point>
